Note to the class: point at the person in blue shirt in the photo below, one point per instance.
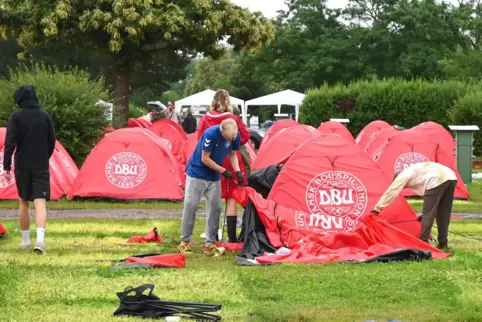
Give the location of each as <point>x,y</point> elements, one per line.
<point>203,177</point>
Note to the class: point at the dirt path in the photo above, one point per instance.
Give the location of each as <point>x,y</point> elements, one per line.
<point>7,214</point>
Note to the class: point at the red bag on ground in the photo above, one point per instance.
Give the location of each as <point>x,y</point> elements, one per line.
<point>169,260</point>
<point>230,247</point>
<point>153,236</point>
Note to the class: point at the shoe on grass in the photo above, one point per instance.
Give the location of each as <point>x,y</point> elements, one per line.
<point>22,245</point>
<point>185,248</point>
<point>40,248</point>
<point>212,250</point>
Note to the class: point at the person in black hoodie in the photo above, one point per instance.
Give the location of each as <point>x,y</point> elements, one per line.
<point>189,124</point>
<point>30,134</point>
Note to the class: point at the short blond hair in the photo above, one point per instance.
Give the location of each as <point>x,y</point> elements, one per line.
<point>229,127</point>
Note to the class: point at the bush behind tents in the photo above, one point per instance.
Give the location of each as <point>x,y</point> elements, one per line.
<point>69,96</point>
<point>397,101</point>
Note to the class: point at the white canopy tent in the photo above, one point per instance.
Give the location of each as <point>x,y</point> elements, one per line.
<point>287,97</point>
<point>204,98</point>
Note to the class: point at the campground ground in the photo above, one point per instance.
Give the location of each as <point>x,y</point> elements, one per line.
<point>69,285</point>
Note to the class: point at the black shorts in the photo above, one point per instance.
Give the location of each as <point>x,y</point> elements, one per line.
<point>33,184</point>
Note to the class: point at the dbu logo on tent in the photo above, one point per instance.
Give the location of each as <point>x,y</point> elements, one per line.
<point>126,170</point>
<point>407,159</point>
<point>336,200</point>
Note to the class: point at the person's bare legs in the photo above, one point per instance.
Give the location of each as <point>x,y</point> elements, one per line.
<point>231,218</point>
<point>24,220</point>
<point>41,219</point>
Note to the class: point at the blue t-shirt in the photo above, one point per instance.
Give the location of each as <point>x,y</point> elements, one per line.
<point>211,141</point>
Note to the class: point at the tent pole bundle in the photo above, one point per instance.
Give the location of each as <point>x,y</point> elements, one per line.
<point>133,302</point>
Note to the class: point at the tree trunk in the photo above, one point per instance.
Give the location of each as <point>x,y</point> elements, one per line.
<point>121,109</point>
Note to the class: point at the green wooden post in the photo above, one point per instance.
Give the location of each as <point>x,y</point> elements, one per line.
<point>464,138</point>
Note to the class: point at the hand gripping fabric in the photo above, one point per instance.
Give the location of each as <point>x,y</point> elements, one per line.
<point>134,302</point>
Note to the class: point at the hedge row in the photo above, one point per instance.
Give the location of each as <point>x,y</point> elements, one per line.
<point>397,101</point>
<point>69,96</point>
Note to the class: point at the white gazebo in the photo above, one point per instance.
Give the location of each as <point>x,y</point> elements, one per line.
<point>287,97</point>
<point>204,98</point>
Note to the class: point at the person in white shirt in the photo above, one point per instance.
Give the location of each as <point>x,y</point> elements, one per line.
<point>436,183</point>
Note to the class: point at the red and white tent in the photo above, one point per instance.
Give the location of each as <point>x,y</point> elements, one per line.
<point>63,172</point>
<point>130,164</point>
<point>364,136</point>
<point>336,128</point>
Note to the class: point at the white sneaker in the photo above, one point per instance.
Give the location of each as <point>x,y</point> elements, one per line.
<point>24,246</point>
<point>220,234</point>
<point>40,248</point>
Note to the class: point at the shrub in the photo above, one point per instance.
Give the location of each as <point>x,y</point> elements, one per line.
<point>397,101</point>
<point>69,96</point>
<point>136,111</point>
<point>468,111</point>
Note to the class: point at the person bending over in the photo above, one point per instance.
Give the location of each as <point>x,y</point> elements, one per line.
<point>30,133</point>
<point>436,183</point>
<point>203,175</point>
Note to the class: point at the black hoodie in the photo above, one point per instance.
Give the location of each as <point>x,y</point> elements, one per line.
<point>30,131</point>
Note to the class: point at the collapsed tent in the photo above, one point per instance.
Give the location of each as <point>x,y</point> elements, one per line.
<point>129,164</point>
<point>3,231</point>
<point>273,235</point>
<point>333,183</point>
<point>172,134</point>
<point>63,172</point>
<point>275,128</point>
<point>336,128</point>
<point>364,136</point>
<point>411,147</point>
<point>282,144</point>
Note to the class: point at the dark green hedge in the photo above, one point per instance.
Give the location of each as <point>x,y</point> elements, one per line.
<point>397,101</point>
<point>69,96</point>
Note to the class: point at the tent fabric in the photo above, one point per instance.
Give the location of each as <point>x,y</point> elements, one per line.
<point>3,231</point>
<point>275,128</point>
<point>63,172</point>
<point>189,146</point>
<point>282,144</point>
<point>172,134</point>
<point>129,164</point>
<point>152,236</point>
<point>334,183</point>
<point>286,97</point>
<point>439,134</point>
<point>364,136</point>
<point>410,147</point>
<point>167,260</point>
<point>378,140</point>
<point>373,239</point>
<point>204,98</point>
<point>138,122</point>
<point>336,128</point>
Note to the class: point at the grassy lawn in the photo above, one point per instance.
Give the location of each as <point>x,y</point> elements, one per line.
<point>68,285</point>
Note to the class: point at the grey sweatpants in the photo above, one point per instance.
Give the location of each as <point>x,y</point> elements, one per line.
<point>195,189</point>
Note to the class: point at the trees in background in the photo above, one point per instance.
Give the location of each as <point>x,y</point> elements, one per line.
<point>135,34</point>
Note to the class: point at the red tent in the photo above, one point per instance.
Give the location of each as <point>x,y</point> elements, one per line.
<point>438,133</point>
<point>283,144</point>
<point>378,140</point>
<point>410,147</point>
<point>364,136</point>
<point>333,183</point>
<point>3,231</point>
<point>129,164</point>
<point>173,135</point>
<point>189,146</point>
<point>63,172</point>
<point>138,122</point>
<point>276,127</point>
<point>372,237</point>
<point>332,127</point>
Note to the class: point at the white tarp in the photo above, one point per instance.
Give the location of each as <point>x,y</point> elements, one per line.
<point>204,98</point>
<point>286,97</point>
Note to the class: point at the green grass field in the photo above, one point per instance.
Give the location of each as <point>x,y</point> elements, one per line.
<point>68,285</point>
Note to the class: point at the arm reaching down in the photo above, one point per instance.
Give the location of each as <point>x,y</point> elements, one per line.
<point>233,159</point>
<point>10,142</point>
<point>206,159</point>
<point>394,190</point>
